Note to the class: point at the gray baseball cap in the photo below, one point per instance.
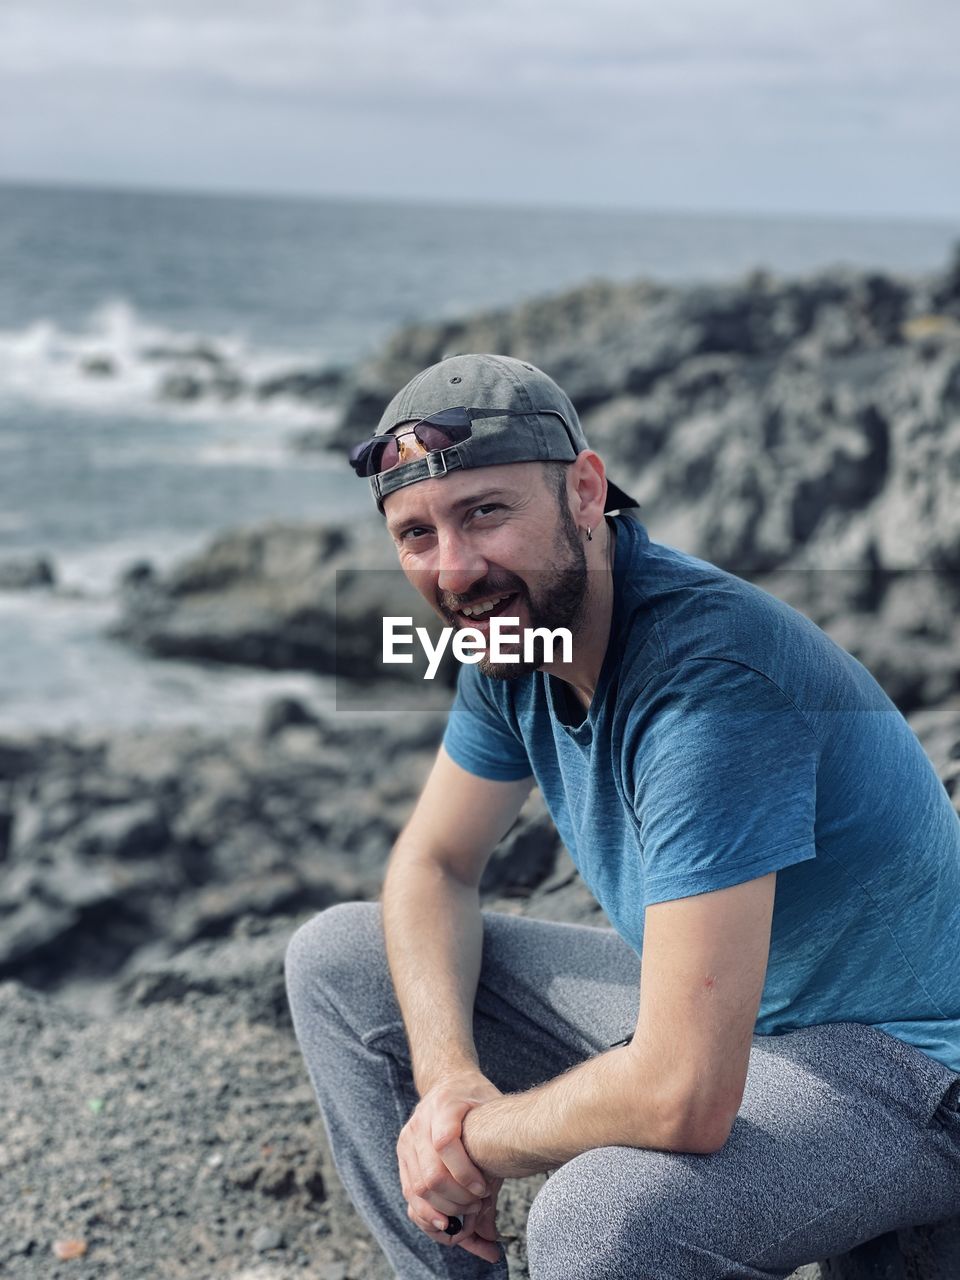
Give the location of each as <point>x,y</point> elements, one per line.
<point>539,422</point>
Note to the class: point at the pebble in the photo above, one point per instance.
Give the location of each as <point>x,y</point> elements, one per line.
<point>66,1250</point>
<point>332,1271</point>
<point>266,1238</point>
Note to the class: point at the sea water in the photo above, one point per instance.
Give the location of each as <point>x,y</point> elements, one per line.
<point>98,470</point>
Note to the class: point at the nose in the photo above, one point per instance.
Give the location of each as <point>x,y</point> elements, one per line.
<point>460,565</point>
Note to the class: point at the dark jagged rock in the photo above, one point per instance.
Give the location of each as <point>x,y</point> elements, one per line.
<point>527,855</point>
<point>946,296</point>
<point>187,387</point>
<point>319,385</point>
<point>24,574</point>
<point>180,386</point>
<point>603,339</point>
<point>246,968</point>
<point>767,425</point>
<point>121,843</point>
<point>98,366</point>
<point>265,597</point>
<point>281,713</point>
<point>281,596</point>
<point>189,1110</point>
<point>115,843</point>
<point>805,434</point>
<point>210,378</point>
<point>754,421</point>
<point>200,352</point>
<point>139,573</point>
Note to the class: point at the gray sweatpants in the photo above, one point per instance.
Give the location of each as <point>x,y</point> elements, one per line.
<point>844,1132</point>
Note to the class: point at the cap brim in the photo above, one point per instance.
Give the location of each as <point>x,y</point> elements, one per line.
<point>617,499</point>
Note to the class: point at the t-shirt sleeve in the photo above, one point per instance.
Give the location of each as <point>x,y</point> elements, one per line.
<point>724,770</point>
<point>478,736</point>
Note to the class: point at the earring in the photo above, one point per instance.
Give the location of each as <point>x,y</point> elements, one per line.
<point>589,534</point>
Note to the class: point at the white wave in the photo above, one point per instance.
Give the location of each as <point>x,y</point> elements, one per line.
<point>93,572</point>
<point>243,443</point>
<point>116,361</point>
<point>62,673</point>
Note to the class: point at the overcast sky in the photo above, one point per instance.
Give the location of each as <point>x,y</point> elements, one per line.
<point>833,106</point>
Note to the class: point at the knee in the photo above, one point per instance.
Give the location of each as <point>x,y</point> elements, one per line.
<point>582,1226</point>
<point>571,1229</point>
<point>332,950</point>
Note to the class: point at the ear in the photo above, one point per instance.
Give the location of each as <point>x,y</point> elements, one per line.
<point>589,481</point>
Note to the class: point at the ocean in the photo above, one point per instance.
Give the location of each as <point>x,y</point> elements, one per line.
<point>99,288</point>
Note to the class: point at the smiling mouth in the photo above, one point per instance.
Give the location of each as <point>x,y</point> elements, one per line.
<point>498,607</point>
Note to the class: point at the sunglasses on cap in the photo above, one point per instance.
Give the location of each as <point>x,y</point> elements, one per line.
<point>438,431</point>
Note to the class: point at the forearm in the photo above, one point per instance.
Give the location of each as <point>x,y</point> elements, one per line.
<point>434,941</point>
<point>612,1099</point>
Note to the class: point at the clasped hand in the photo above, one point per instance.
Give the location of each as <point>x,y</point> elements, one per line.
<point>438,1178</point>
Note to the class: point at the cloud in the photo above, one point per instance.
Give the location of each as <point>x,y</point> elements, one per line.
<point>594,44</point>
<point>741,74</point>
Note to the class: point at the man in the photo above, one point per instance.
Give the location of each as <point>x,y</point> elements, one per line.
<point>777,1078</point>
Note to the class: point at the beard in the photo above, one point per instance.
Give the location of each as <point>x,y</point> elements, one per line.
<point>560,601</point>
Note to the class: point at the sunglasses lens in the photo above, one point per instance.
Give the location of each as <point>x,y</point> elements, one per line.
<point>435,437</point>
<point>430,435</point>
<point>386,456</point>
<point>365,457</point>
<point>439,431</point>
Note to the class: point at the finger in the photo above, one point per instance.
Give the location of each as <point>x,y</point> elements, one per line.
<point>428,1212</point>
<point>432,1206</point>
<point>448,1145</point>
<point>417,1187</point>
<point>408,1163</point>
<point>405,1180</point>
<point>467,1238</point>
<point>426,1215</point>
<point>428,1172</point>
<point>486,1225</point>
<point>426,1218</point>
<point>489,1250</point>
<point>461,1168</point>
<point>436,1184</point>
<point>480,1247</point>
<point>486,1221</point>
<point>476,1245</point>
<point>447,1204</point>
<point>447,1139</point>
<point>430,1203</point>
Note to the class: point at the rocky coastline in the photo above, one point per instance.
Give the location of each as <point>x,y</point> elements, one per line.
<point>803,433</point>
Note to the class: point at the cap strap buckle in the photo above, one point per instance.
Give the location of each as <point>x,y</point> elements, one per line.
<point>438,464</point>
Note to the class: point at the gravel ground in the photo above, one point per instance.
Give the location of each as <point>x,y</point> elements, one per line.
<point>176,1140</point>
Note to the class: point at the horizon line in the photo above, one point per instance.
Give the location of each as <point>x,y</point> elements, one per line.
<point>109,186</point>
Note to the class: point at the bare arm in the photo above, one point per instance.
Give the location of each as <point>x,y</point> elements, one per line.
<point>431,911</point>
<point>678,1085</point>
<point>433,932</point>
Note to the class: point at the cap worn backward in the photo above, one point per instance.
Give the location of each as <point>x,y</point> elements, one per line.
<point>549,429</point>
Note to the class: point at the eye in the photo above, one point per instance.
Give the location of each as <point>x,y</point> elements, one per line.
<point>488,506</point>
<point>415,531</point>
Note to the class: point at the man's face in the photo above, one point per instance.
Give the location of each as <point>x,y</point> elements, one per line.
<point>472,536</point>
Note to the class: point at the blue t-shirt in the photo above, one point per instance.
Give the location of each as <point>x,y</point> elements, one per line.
<point>729,737</point>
